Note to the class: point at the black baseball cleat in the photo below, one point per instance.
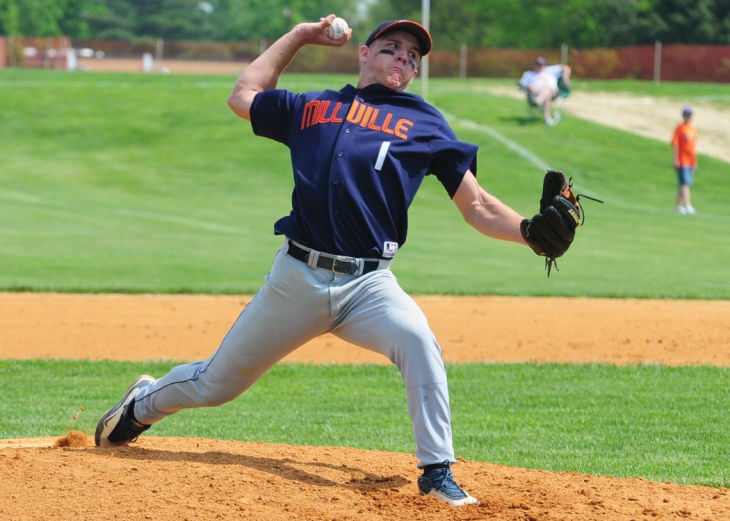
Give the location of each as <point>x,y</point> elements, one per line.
<point>439,482</point>
<point>117,426</point>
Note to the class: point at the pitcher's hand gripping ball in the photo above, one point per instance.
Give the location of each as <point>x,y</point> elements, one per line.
<point>551,232</point>
<point>338,29</point>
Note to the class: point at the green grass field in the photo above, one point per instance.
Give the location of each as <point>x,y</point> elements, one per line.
<point>140,183</point>
<point>664,424</point>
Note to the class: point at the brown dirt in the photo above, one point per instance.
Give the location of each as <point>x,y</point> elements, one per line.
<point>489,329</point>
<point>159,478</point>
<point>162,66</point>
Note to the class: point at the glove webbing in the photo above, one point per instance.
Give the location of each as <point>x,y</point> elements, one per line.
<point>551,262</point>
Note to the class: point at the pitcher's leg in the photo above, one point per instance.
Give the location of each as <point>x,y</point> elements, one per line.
<point>381,317</point>
<point>286,312</point>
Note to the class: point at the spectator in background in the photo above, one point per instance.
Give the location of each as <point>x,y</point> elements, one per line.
<point>684,143</point>
<point>542,85</point>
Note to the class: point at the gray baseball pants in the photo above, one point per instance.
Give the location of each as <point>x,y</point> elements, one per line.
<point>296,304</point>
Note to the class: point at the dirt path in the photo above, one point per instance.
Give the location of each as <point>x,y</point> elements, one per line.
<point>650,117</point>
<point>65,477</point>
<point>656,118</point>
<point>489,329</point>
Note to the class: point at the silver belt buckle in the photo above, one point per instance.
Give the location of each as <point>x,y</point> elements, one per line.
<point>344,265</point>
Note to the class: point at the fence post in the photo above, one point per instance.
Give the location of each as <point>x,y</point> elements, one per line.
<point>462,61</point>
<point>424,72</point>
<point>657,61</point>
<point>159,45</point>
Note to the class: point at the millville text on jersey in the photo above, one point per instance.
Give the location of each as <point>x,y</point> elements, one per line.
<point>319,112</point>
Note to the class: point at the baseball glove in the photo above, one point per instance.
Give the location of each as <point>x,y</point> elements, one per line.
<point>551,232</point>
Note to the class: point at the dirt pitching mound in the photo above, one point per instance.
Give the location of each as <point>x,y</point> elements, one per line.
<point>189,478</point>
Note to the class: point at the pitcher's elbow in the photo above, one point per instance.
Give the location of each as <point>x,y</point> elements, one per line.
<point>235,104</point>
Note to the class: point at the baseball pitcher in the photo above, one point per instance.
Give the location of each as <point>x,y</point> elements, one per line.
<point>359,155</point>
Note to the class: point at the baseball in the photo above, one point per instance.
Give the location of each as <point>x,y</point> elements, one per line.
<point>338,28</point>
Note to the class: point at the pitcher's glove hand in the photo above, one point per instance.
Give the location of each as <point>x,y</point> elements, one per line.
<point>551,232</point>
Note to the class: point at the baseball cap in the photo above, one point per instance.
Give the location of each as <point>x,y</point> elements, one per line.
<point>540,61</point>
<point>409,26</point>
<point>687,111</point>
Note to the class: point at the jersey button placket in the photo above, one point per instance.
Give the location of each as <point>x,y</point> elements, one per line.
<point>336,182</point>
<point>335,175</point>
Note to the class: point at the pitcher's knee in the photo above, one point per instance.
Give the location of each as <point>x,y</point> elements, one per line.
<point>418,352</point>
<point>217,392</point>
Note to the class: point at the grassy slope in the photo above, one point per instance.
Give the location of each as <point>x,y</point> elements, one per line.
<point>139,183</point>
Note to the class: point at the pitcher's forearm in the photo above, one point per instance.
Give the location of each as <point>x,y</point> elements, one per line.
<point>263,73</point>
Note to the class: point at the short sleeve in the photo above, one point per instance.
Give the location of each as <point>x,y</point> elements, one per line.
<point>271,113</point>
<point>451,160</point>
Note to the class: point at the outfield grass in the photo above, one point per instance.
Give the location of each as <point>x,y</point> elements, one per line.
<point>660,423</point>
<point>147,183</point>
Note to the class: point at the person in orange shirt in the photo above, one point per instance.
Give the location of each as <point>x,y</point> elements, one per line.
<point>684,143</point>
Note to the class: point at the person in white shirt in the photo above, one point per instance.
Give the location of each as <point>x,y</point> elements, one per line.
<point>541,85</point>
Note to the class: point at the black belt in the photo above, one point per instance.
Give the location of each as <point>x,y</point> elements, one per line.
<point>335,263</point>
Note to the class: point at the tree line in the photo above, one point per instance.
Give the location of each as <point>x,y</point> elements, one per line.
<point>516,24</point>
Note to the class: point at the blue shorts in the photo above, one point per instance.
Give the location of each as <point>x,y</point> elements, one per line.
<point>686,175</point>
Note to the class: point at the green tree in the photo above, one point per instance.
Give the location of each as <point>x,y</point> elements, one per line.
<point>111,20</point>
<point>269,19</point>
<point>525,24</point>
<point>9,17</point>
<point>175,19</point>
<point>688,21</point>
<point>72,22</point>
<point>32,18</point>
<point>529,24</point>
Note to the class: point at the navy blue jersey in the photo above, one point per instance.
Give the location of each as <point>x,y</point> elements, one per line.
<point>359,157</point>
